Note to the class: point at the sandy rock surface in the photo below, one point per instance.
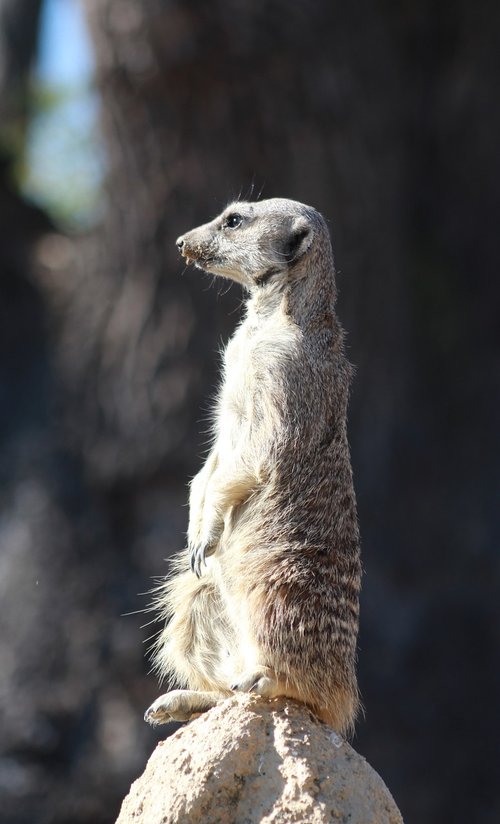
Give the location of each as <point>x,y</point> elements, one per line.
<point>250,761</point>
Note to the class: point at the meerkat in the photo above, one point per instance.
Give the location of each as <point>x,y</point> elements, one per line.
<point>265,597</point>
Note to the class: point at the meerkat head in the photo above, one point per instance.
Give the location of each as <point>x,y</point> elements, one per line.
<point>256,243</point>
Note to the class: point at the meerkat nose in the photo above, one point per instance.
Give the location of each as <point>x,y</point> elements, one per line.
<point>179,243</point>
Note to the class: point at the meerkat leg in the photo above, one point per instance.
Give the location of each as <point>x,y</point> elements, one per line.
<point>181,705</point>
<point>194,645</point>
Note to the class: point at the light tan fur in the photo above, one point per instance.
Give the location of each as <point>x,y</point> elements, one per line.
<point>265,597</point>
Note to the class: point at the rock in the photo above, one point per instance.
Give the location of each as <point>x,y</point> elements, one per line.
<point>249,761</point>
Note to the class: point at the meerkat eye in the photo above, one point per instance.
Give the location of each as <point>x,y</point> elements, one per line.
<point>233,221</point>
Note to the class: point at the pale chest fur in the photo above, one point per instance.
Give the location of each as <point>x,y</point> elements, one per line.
<point>253,360</point>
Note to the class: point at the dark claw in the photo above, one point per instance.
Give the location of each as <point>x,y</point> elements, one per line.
<point>237,688</point>
<point>198,557</point>
<point>192,559</point>
<point>199,560</point>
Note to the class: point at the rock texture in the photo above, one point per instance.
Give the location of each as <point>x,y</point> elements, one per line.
<point>250,761</point>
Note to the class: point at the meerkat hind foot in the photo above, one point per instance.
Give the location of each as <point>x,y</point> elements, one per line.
<point>262,681</point>
<point>181,705</point>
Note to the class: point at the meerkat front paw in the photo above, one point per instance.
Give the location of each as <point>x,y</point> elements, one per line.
<point>198,556</point>
<point>206,545</point>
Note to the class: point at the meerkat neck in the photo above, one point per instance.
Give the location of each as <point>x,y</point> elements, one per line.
<point>266,300</point>
<point>307,301</point>
<point>310,302</point>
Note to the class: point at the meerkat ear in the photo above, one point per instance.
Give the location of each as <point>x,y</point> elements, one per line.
<point>298,241</point>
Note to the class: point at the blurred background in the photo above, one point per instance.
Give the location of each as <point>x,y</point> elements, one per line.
<point>126,122</point>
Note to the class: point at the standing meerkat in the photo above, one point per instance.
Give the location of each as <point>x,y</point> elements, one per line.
<point>265,599</point>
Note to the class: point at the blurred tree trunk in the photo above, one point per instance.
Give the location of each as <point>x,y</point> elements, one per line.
<point>56,620</point>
